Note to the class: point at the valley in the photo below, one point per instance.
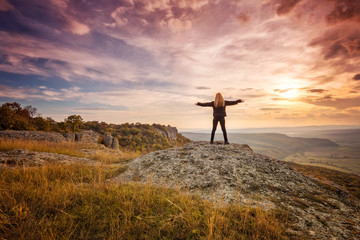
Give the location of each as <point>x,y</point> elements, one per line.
<point>337,149</point>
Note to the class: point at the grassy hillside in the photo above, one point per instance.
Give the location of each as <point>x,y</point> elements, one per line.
<point>137,137</point>
<point>77,202</point>
<point>349,181</point>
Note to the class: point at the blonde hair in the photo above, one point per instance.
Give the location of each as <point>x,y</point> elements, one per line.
<point>219,101</point>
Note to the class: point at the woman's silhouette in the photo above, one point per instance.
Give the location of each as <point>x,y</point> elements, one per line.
<point>219,114</point>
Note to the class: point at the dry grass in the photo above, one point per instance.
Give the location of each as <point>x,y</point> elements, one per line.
<point>67,148</point>
<point>76,202</point>
<point>348,181</point>
<point>104,155</point>
<point>108,157</point>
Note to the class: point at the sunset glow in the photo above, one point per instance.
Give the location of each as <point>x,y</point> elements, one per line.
<point>293,62</point>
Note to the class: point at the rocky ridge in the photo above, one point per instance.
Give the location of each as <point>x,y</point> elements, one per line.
<point>235,174</point>
<point>169,133</point>
<point>84,136</point>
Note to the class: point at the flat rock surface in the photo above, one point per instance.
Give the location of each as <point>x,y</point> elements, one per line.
<point>235,174</point>
<point>23,157</point>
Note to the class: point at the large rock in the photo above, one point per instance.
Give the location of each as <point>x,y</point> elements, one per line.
<point>110,141</point>
<point>87,137</point>
<point>70,137</point>
<point>234,173</point>
<point>169,132</point>
<point>33,135</point>
<point>115,144</point>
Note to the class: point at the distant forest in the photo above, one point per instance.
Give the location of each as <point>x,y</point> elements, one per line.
<point>136,137</point>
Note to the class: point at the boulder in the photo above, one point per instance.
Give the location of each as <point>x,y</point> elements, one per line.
<point>170,133</point>
<point>110,141</point>
<point>235,174</point>
<point>70,137</point>
<point>87,137</point>
<point>115,144</point>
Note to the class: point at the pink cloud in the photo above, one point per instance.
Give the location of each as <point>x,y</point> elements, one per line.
<point>78,28</point>
<point>5,5</point>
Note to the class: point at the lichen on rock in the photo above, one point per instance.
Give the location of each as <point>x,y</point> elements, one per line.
<point>235,174</point>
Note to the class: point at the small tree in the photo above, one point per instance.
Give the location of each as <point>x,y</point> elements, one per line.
<point>74,122</point>
<point>7,117</point>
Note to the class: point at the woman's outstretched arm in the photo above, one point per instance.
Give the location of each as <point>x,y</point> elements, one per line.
<point>207,104</point>
<point>229,103</point>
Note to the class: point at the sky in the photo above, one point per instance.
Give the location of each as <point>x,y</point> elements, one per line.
<point>293,62</point>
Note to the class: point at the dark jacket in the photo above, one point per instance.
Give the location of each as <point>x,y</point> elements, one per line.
<point>219,111</point>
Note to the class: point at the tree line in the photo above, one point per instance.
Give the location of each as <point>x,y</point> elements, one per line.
<point>15,117</point>
<point>133,136</point>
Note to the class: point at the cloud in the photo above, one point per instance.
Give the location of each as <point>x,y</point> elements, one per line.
<point>272,109</point>
<point>279,99</point>
<point>243,18</point>
<point>339,42</point>
<point>344,10</point>
<point>202,88</point>
<point>338,103</point>
<point>282,90</point>
<point>29,55</point>
<point>357,77</point>
<point>78,28</point>
<point>316,90</point>
<point>285,6</point>
<point>5,5</point>
<point>246,89</point>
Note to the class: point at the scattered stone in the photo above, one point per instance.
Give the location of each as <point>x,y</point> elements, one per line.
<point>235,174</point>
<point>23,157</point>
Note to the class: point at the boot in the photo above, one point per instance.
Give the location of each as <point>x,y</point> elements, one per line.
<point>226,142</point>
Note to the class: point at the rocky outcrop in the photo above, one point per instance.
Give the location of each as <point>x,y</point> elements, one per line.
<point>70,137</point>
<point>87,137</point>
<point>32,135</point>
<point>235,174</point>
<point>169,132</point>
<point>23,157</point>
<point>110,141</point>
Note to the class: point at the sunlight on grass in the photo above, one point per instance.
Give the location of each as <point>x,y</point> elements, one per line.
<point>76,202</point>
<point>113,157</point>
<point>103,155</point>
<point>67,148</point>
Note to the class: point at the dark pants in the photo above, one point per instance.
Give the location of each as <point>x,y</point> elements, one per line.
<point>222,124</point>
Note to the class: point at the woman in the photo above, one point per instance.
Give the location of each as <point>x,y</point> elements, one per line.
<point>219,114</point>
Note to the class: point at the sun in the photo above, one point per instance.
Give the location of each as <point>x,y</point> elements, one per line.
<point>289,93</point>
